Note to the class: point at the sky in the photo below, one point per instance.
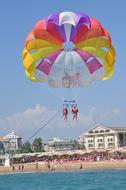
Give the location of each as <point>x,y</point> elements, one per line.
<point>27,106</point>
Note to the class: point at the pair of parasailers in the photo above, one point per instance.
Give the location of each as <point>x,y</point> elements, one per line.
<point>74,111</point>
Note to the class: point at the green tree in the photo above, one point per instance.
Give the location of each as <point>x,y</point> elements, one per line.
<point>25,148</point>
<point>37,145</point>
<point>77,146</point>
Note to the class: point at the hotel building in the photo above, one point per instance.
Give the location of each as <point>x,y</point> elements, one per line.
<point>10,142</point>
<point>57,144</point>
<point>102,136</point>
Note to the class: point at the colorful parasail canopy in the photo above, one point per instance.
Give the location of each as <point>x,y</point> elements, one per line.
<point>68,49</point>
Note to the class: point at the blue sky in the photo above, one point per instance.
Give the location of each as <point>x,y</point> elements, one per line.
<point>25,106</point>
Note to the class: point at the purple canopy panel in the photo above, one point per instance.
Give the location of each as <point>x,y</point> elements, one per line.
<point>82,18</point>
<point>73,31</point>
<point>62,30</point>
<point>53,18</point>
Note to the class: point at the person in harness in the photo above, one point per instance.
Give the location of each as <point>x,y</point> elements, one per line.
<point>75,112</point>
<point>65,113</point>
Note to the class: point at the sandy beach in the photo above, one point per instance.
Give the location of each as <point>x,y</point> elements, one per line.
<point>39,167</point>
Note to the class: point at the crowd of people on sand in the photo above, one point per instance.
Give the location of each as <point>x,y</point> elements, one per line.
<point>20,167</point>
<point>64,162</point>
<point>49,166</point>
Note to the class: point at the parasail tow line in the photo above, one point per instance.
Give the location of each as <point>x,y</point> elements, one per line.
<point>46,124</point>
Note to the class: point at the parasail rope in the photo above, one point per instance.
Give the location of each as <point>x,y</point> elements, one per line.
<point>41,128</point>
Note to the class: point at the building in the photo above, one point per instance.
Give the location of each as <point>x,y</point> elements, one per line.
<point>101,136</point>
<point>11,142</point>
<point>1,146</point>
<point>57,144</point>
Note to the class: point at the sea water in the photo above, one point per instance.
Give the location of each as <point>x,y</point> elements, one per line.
<point>69,180</point>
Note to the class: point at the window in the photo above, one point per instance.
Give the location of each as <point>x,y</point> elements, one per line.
<point>100,140</point>
<point>110,144</point>
<point>102,131</point>
<point>90,145</point>
<point>100,145</point>
<point>90,131</point>
<point>96,131</point>
<point>110,139</point>
<point>107,130</point>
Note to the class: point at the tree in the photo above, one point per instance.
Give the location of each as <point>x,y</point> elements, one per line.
<point>77,146</point>
<point>37,145</point>
<point>25,148</point>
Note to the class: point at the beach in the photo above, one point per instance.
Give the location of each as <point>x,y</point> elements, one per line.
<point>40,167</point>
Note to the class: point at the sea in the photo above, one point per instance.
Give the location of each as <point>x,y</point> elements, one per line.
<point>68,180</point>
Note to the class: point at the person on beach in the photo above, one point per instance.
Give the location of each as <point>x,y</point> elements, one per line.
<point>75,112</point>
<point>36,165</point>
<point>80,166</point>
<point>48,165</point>
<point>13,168</point>
<point>22,167</point>
<point>19,167</point>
